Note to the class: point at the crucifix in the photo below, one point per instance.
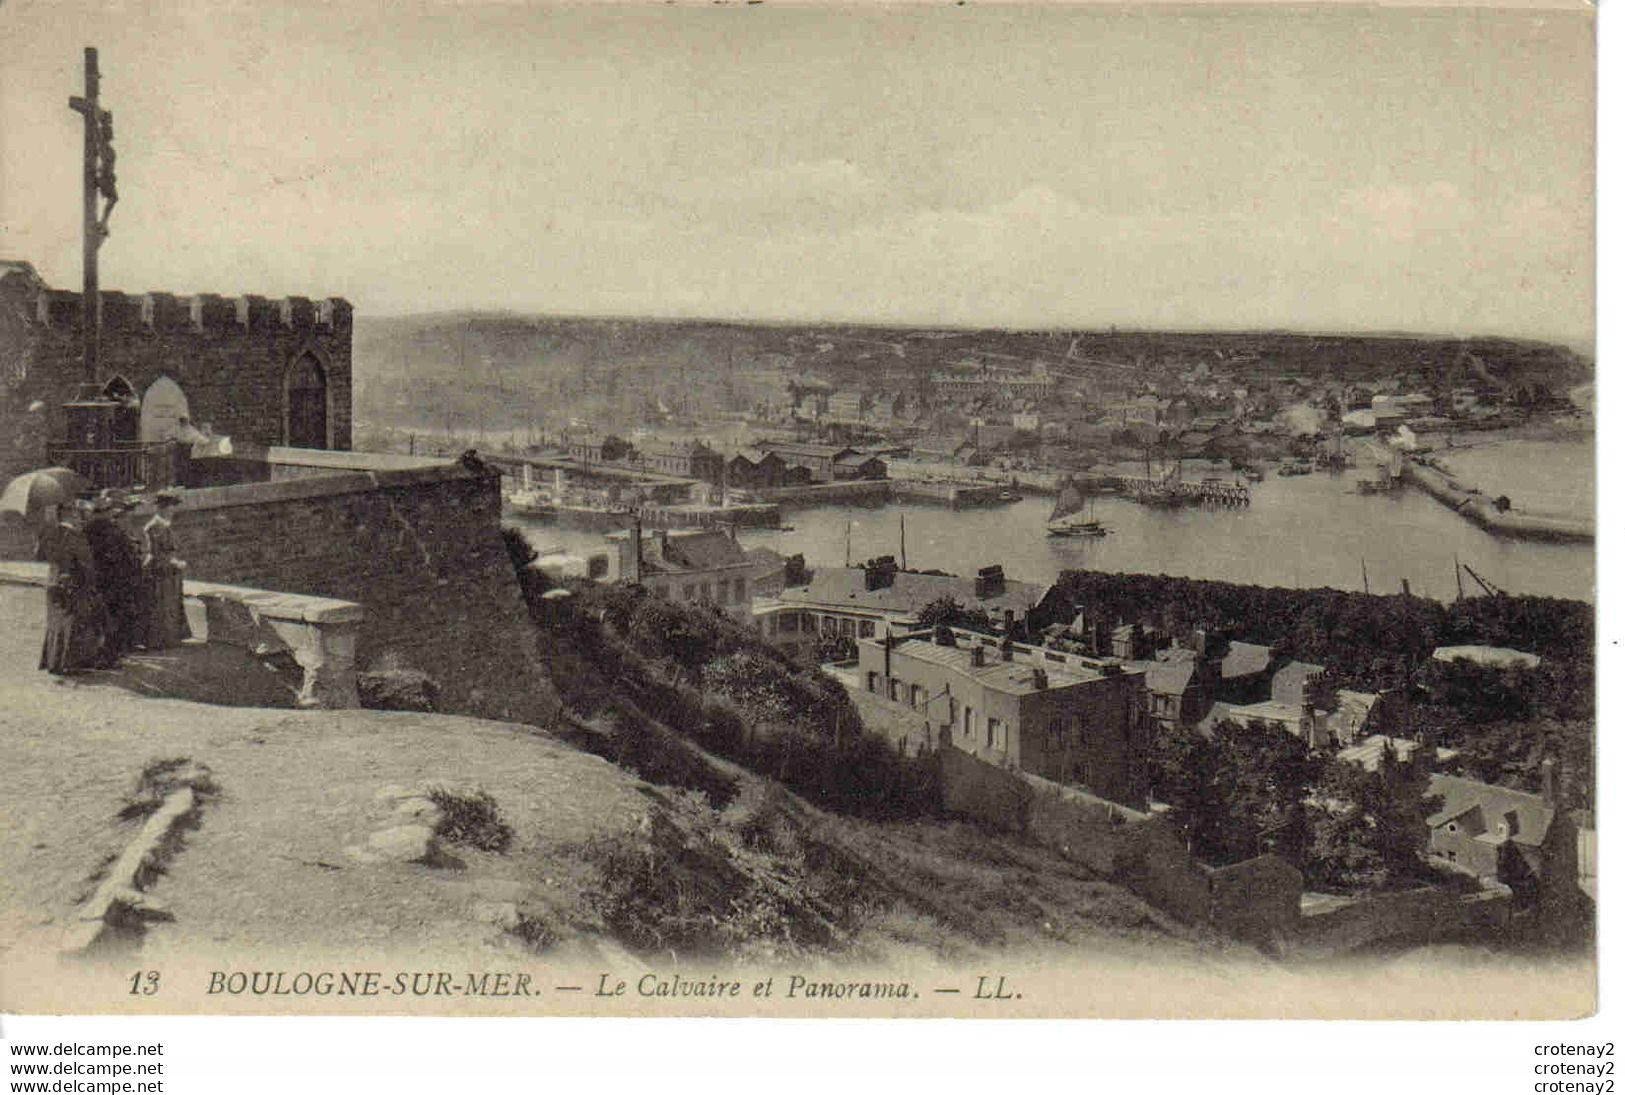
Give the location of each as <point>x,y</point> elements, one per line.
<point>99,183</point>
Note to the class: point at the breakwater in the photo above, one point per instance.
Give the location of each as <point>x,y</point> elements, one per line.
<point>1481,511</point>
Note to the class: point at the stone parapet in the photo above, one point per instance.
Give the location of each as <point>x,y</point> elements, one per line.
<point>319,632</point>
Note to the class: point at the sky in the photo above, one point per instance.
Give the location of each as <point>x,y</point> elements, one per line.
<point>1348,168</point>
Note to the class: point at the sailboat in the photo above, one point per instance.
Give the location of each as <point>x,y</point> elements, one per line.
<point>1067,518</point>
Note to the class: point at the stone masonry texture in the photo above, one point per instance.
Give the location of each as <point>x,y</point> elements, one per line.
<point>421,552</point>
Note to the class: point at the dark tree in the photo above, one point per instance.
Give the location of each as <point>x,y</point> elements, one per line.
<point>947,611</point>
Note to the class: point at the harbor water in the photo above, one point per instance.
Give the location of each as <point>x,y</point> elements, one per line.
<point>1306,531</point>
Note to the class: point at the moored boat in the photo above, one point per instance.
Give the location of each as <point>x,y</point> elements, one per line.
<point>1068,519</point>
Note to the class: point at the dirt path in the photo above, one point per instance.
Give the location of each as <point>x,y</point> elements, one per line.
<point>267,868</point>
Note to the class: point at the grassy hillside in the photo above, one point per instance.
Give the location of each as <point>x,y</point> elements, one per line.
<point>779,828</point>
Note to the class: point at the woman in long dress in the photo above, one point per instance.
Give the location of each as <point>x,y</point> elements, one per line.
<point>166,607</point>
<point>118,565</point>
<point>73,609</point>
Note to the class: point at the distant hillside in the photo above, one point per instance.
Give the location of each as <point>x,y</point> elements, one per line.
<point>497,371</point>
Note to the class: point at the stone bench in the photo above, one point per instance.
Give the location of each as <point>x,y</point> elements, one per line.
<point>319,632</point>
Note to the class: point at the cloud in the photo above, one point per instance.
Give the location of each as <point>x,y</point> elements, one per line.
<point>1398,213</point>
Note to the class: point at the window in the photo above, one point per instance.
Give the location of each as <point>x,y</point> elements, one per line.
<point>866,629</point>
<point>970,720</point>
<point>992,731</point>
<point>873,684</point>
<point>828,624</point>
<point>661,591</point>
<point>739,589</point>
<point>896,689</point>
<point>807,623</point>
<point>688,591</point>
<point>953,710</point>
<point>916,696</point>
<point>705,591</point>
<point>848,628</point>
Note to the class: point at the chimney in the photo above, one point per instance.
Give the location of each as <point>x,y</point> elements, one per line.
<point>1007,649</point>
<point>1548,782</point>
<point>989,582</point>
<point>637,549</point>
<point>1040,679</point>
<point>1311,731</point>
<point>879,572</point>
<point>978,656</point>
<point>795,571</point>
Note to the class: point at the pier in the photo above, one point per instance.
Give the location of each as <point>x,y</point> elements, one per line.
<point>657,487</point>
<point>950,492</point>
<point>733,515</point>
<point>820,493</point>
<point>1209,491</point>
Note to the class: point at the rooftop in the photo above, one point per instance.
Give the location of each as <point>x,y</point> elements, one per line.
<point>699,549</point>
<point>801,448</point>
<point>1170,674</point>
<point>1499,657</point>
<point>1016,677</point>
<point>1461,796</point>
<point>1246,659</point>
<point>1353,711</point>
<point>1368,753</point>
<point>1290,681</point>
<point>1244,713</point>
<point>908,594</point>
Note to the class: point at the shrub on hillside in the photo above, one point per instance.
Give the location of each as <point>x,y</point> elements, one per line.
<point>397,690</point>
<point>656,668</point>
<point>471,819</point>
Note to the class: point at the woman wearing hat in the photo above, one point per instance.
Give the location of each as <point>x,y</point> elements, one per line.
<point>118,564</point>
<point>73,609</point>
<point>166,607</point>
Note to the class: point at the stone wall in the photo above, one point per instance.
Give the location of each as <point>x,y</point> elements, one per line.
<point>1256,900</point>
<point>230,356</point>
<point>419,549</point>
<point>1414,916</point>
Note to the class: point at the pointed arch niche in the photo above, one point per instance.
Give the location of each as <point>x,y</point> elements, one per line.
<point>162,408</point>
<point>307,419</point>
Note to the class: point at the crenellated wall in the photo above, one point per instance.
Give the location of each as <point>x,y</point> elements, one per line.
<point>231,356</point>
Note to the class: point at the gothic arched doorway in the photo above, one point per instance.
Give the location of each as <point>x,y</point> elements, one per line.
<point>307,405</point>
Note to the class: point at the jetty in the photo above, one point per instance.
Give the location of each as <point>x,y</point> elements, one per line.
<point>1209,491</point>
<point>702,515</point>
<point>819,493</point>
<point>951,492</point>
<point>1480,510</point>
